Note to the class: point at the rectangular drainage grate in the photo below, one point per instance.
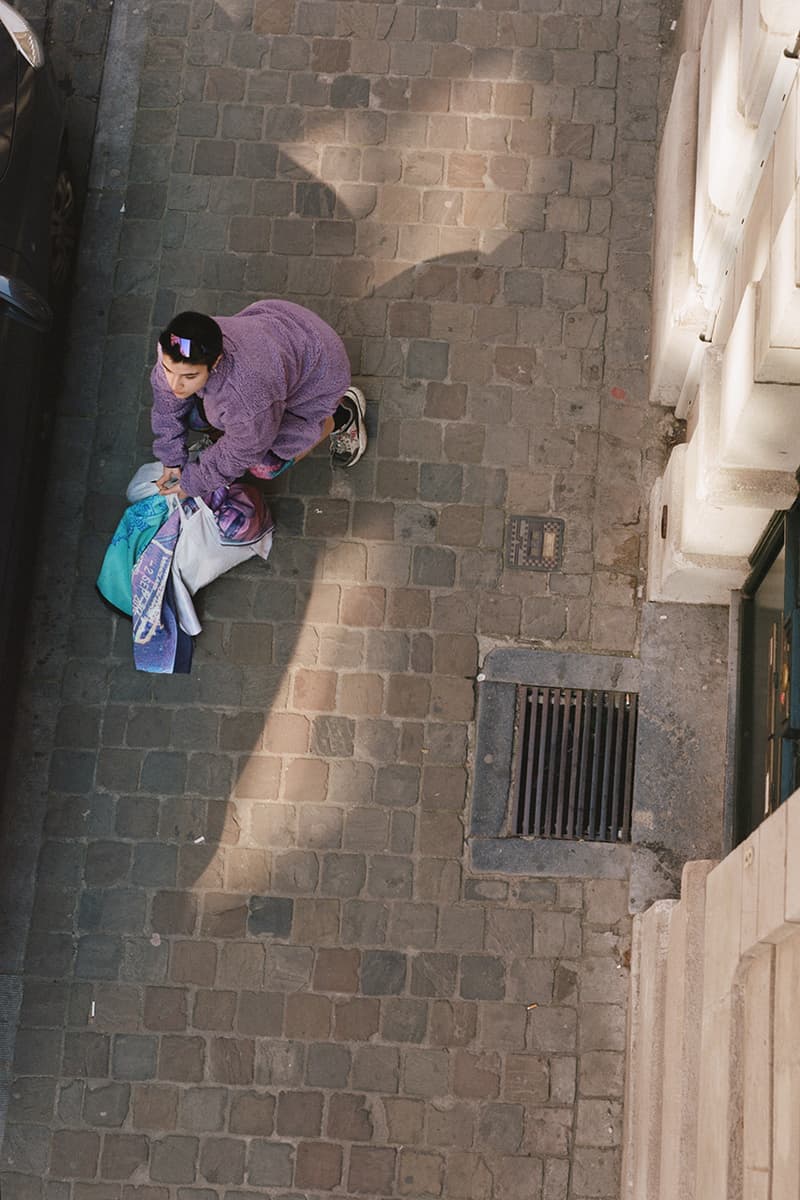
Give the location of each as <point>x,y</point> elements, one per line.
<point>574,764</point>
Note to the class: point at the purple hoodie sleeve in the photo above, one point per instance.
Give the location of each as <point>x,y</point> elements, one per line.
<point>245,442</point>
<point>169,419</point>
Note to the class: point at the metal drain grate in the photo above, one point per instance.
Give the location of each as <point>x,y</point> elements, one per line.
<point>574,764</point>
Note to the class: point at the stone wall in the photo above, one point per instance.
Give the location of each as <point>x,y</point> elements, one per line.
<point>725,348</point>
<point>713,1092</point>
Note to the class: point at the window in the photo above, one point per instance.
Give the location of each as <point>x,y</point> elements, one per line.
<point>768,707</point>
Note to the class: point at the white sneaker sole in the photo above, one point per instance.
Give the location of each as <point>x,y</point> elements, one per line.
<point>357,396</point>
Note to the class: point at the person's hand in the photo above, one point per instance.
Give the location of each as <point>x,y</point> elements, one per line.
<point>169,483</point>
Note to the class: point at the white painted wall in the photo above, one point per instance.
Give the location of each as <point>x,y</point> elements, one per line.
<point>726,294</point>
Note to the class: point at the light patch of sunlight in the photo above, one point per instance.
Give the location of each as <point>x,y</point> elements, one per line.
<point>269,814</point>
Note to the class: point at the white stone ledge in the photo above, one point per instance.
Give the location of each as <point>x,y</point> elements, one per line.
<point>718,1028</point>
<point>679,576</point>
<point>678,312</point>
<point>768,27</point>
<point>758,423</point>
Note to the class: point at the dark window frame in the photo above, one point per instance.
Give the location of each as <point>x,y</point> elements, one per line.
<point>773,666</point>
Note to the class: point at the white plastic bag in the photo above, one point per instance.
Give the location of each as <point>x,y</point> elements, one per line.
<point>200,557</point>
<point>143,483</point>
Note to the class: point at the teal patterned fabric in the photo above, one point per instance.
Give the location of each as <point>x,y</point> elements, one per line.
<point>139,525</point>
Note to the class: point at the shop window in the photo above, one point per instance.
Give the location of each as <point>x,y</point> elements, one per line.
<point>768,708</point>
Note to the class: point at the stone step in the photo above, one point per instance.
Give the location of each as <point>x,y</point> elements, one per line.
<point>661,1089</point>
<point>645,1058</point>
<point>697,550</point>
<point>683,999</point>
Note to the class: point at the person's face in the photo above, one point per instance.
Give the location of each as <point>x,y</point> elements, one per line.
<point>184,378</point>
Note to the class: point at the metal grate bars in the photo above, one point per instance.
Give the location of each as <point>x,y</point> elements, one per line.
<point>574,774</point>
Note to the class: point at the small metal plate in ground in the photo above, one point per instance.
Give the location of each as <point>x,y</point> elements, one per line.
<point>535,543</point>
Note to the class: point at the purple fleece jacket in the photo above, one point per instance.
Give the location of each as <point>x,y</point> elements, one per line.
<point>283,371</point>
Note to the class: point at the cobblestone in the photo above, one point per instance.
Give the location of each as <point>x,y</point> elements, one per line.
<point>280,971</point>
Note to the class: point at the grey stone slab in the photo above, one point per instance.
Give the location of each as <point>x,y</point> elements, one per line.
<point>155,865</point>
<point>482,977</point>
<point>114,910</point>
<point>99,957</point>
<point>550,858</point>
<point>493,751</point>
<point>383,972</point>
<point>434,566</point>
<point>270,915</point>
<point>134,1056</point>
<point>332,737</point>
<point>10,1002</point>
<point>328,1066</point>
<point>546,668</point>
<point>681,746</point>
<point>404,1020</point>
<point>106,1104</point>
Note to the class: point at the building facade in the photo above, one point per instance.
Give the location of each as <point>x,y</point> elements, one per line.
<point>713,1093</point>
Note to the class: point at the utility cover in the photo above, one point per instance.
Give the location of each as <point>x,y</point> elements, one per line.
<point>535,543</point>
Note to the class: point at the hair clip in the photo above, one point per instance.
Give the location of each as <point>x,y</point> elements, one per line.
<point>185,344</point>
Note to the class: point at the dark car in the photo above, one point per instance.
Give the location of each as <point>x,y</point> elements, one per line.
<point>37,213</point>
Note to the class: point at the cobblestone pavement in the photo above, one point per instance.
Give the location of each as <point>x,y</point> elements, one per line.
<point>259,963</point>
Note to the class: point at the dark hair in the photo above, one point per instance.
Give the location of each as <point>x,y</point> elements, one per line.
<point>192,337</point>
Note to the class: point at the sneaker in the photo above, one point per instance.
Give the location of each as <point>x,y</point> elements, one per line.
<point>349,437</point>
<point>198,444</point>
